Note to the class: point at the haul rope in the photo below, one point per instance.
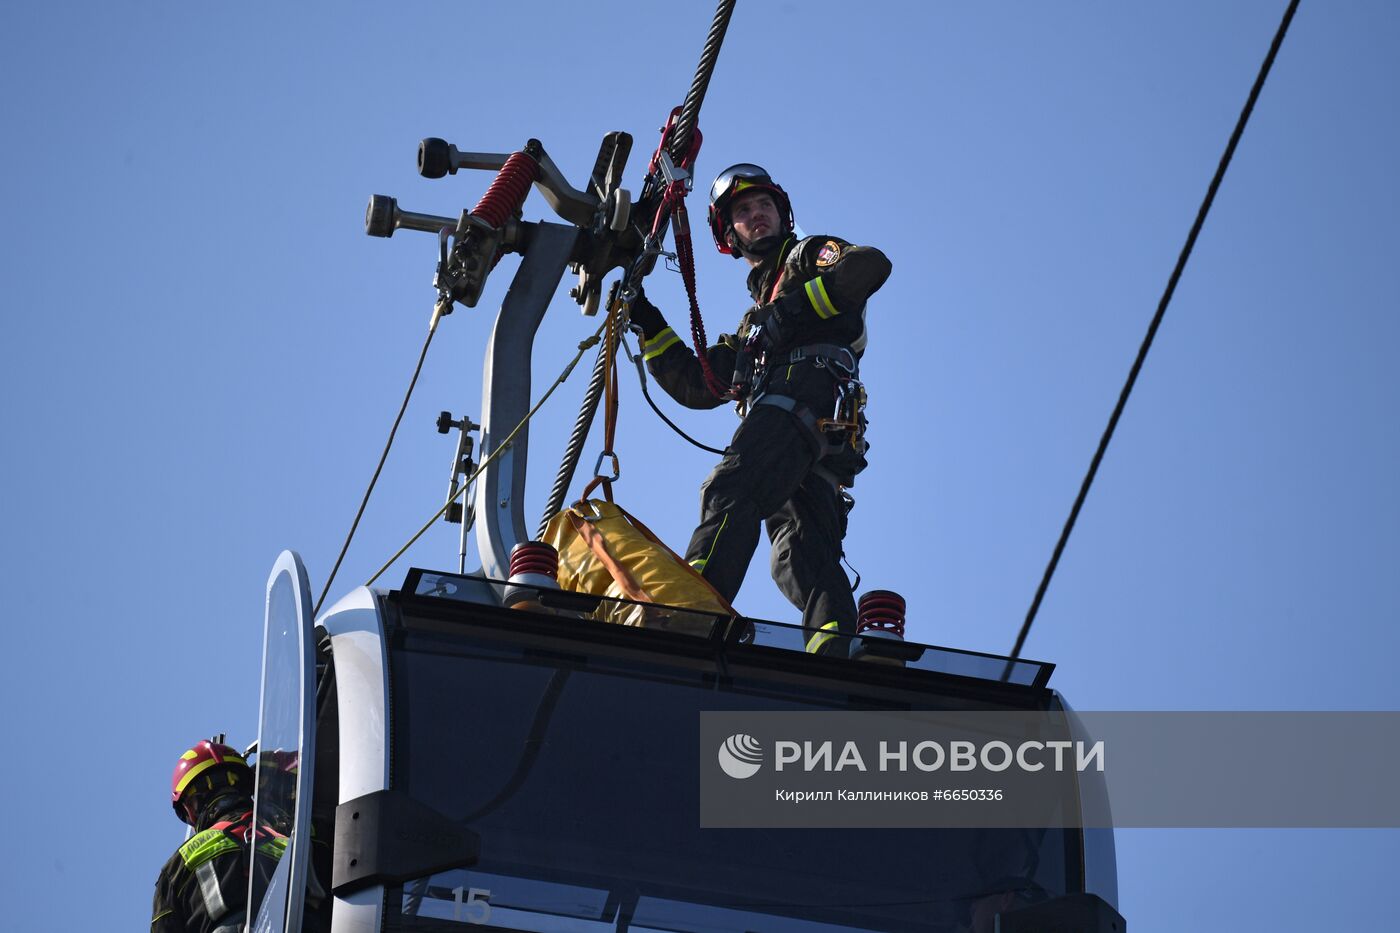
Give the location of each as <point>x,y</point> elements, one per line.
<point>680,147</point>
<point>690,110</point>
<point>1152,331</point>
<point>680,143</point>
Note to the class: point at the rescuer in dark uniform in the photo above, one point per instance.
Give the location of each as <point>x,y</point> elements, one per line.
<point>203,888</point>
<point>204,885</point>
<point>794,368</point>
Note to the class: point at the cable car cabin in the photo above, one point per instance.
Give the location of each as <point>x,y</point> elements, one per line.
<point>437,761</point>
<point>536,770</point>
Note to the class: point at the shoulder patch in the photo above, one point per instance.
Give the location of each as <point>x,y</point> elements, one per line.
<point>828,254</point>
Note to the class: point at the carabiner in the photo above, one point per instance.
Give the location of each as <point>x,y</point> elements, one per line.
<point>616,466</point>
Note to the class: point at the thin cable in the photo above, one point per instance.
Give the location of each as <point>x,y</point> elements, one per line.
<point>432,329</point>
<point>1152,329</point>
<point>582,348</point>
<point>642,378</point>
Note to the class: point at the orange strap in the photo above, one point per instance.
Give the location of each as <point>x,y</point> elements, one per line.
<point>609,403</point>
<point>621,574</point>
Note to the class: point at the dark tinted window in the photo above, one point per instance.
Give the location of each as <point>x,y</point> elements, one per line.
<point>581,775</point>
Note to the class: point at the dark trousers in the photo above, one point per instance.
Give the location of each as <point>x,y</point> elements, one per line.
<point>766,477</point>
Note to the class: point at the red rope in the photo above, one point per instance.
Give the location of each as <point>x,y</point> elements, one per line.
<point>685,256</point>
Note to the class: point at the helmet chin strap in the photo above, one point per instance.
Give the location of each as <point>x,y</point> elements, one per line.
<point>760,248</point>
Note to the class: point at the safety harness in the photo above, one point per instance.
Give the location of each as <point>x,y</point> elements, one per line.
<point>845,427</point>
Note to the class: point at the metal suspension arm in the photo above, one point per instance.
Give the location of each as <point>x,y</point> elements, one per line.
<point>437,157</point>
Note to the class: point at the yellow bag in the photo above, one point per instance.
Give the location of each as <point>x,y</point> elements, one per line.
<point>603,551</point>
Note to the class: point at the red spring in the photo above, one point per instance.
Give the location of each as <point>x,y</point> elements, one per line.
<point>508,190</point>
<point>881,610</point>
<point>534,557</point>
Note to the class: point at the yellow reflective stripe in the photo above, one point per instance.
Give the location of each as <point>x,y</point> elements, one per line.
<point>204,846</point>
<point>164,913</point>
<point>658,337</point>
<point>194,772</point>
<point>274,847</point>
<point>659,344</point>
<point>823,635</point>
<point>821,301</point>
<point>700,564</point>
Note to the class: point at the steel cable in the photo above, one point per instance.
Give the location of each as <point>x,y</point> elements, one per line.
<point>680,146</point>
<point>574,449</point>
<point>690,110</point>
<point>1152,330</point>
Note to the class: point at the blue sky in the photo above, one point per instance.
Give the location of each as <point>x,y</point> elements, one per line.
<point>206,352</point>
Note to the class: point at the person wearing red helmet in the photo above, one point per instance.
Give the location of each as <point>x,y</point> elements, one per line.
<point>204,885</point>
<point>794,368</point>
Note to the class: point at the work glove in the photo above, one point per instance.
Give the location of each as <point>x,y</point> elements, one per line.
<point>780,319</point>
<point>646,315</point>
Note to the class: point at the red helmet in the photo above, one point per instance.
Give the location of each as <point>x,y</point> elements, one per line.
<point>734,181</point>
<point>210,768</point>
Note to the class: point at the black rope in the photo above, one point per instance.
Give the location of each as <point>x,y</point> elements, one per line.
<point>856,585</point>
<point>1152,329</point>
<point>642,378</point>
<point>690,110</point>
<point>432,329</point>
